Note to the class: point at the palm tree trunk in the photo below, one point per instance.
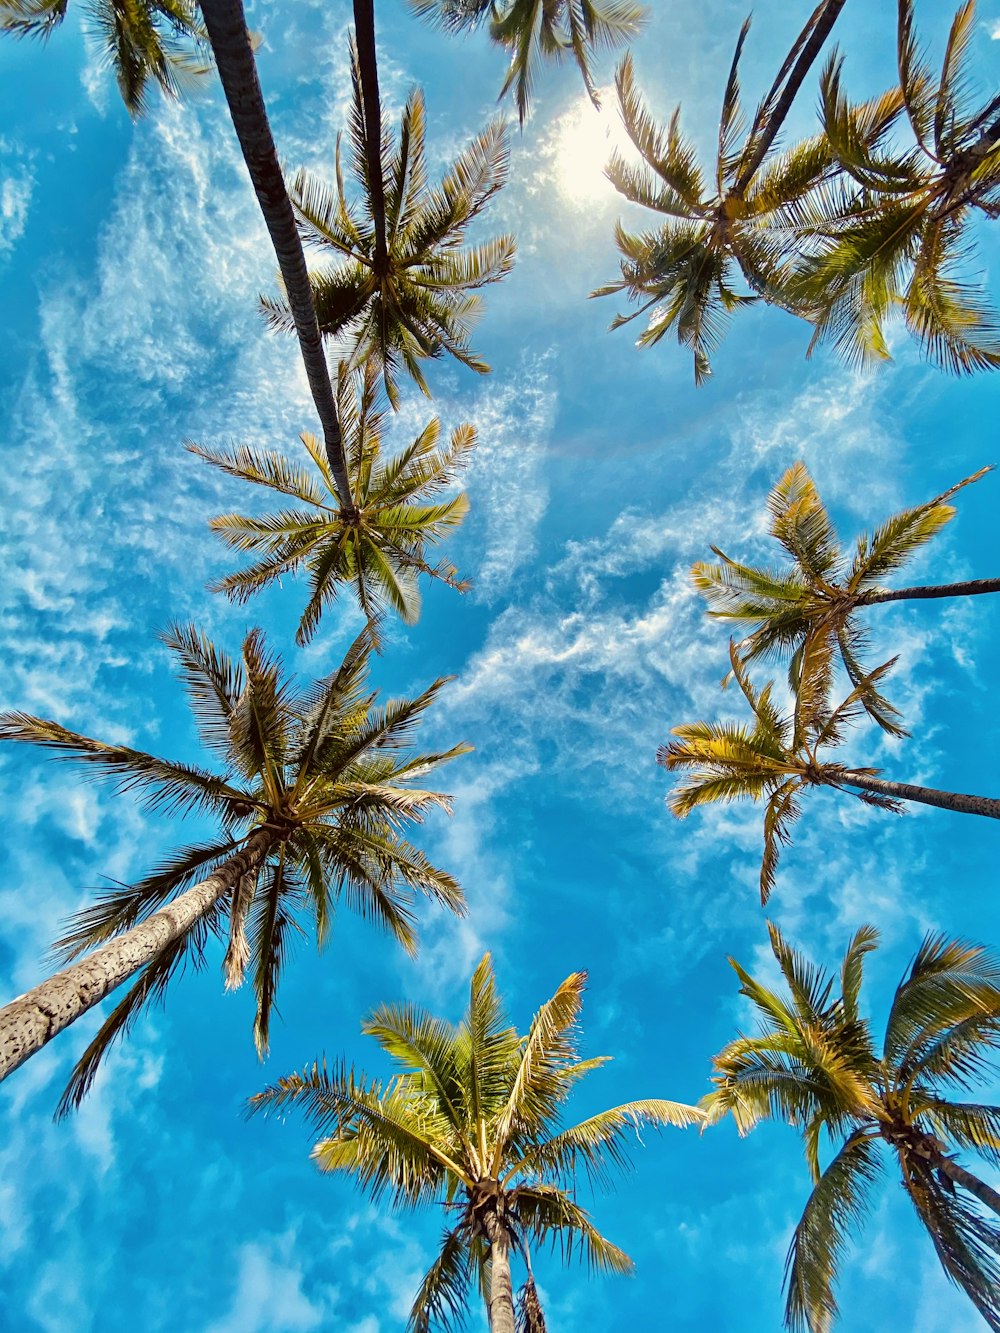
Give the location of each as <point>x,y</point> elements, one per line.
<point>501,1305</point>
<point>364,25</point>
<point>33,1019</point>
<point>808,46</point>
<point>971,588</point>
<point>905,791</point>
<point>968,1181</point>
<point>225,23</point>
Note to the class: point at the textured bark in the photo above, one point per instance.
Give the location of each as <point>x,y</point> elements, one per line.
<point>905,791</point>
<point>501,1306</point>
<point>818,28</point>
<point>969,589</point>
<point>364,25</point>
<point>33,1019</point>
<point>968,1181</point>
<point>225,23</point>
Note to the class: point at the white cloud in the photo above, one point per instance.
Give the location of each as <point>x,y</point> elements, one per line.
<point>268,1295</point>
<point>17,183</point>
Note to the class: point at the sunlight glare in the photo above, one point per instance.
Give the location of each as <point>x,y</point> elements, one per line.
<point>581,147</point>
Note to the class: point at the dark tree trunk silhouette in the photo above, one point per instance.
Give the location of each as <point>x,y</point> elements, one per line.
<point>905,791</point>
<point>225,23</point>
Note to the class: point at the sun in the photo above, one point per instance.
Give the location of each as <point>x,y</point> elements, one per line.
<point>583,139</point>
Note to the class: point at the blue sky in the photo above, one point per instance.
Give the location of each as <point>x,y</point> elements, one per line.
<point>130,261</point>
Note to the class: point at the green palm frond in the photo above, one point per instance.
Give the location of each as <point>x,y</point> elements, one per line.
<point>444,1292</point>
<point>529,31</point>
<point>162,41</point>
<point>838,1203</point>
<point>756,225</point>
<point>901,241</point>
<point>967,1245</point>
<point>815,1066</point>
<point>424,304</point>
<point>815,598</point>
<point>949,983</point>
<point>382,545</point>
<point>552,1215</point>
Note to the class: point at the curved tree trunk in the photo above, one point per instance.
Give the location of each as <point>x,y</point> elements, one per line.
<point>225,23</point>
<point>33,1019</point>
<point>808,46</point>
<point>968,1181</point>
<point>501,1305</point>
<point>971,588</point>
<point>905,791</point>
<point>364,26</point>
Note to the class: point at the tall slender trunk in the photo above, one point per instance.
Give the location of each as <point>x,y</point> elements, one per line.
<point>364,25</point>
<point>501,1302</point>
<point>969,1182</point>
<point>33,1019</point>
<point>970,588</point>
<point>225,23</point>
<point>808,45</point>
<point>905,791</point>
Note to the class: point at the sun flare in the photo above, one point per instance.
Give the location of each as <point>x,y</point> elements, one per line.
<point>581,147</point>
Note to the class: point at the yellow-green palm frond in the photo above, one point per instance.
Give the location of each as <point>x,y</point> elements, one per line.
<point>801,523</point>
<point>838,1203</point>
<point>600,1143</point>
<point>665,152</point>
<point>429,1051</point>
<point>550,1214</point>
<point>491,1052</point>
<point>443,1294</point>
<point>951,319</point>
<point>539,1085</point>
<point>967,1244</point>
<point>531,30</point>
<point>945,1016</point>
<point>899,536</point>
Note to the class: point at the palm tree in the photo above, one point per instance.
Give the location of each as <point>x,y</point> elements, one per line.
<point>540,29</point>
<point>822,591</point>
<point>471,1121</point>
<point>162,40</point>
<point>898,236</point>
<point>777,758</point>
<point>415,296</point>
<point>225,24</point>
<point>683,274</point>
<point>816,1065</point>
<point>379,545</point>
<point>312,792</point>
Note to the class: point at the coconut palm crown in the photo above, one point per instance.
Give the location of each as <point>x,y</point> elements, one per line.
<point>896,234</point>
<point>530,30</point>
<point>472,1120</point>
<point>421,298</point>
<point>825,587</point>
<point>318,780</point>
<point>776,758</point>
<point>379,546</point>
<point>143,40</point>
<point>747,220</point>
<point>815,1064</point>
